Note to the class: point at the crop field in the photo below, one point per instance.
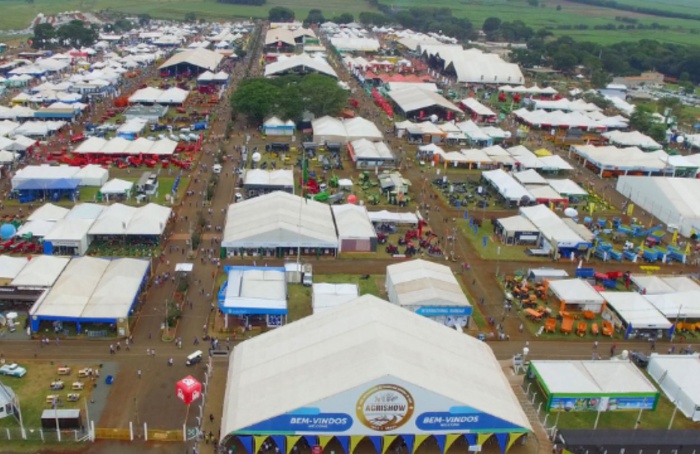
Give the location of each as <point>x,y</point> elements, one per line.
<point>682,31</point>
<point>679,6</point>
<point>18,13</point>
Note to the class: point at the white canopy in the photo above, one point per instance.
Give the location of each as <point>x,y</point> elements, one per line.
<point>41,271</point>
<point>279,219</point>
<point>418,283</point>
<point>679,305</point>
<point>119,219</point>
<point>636,310</point>
<point>353,222</point>
<point>506,185</point>
<point>117,186</point>
<point>95,289</point>
<point>395,346</point>
<point>677,377</point>
<point>576,291</point>
<point>327,296</point>
<point>587,377</point>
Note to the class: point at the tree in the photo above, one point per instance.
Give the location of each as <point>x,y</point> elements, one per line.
<point>190,17</point>
<point>76,34</point>
<point>255,98</point>
<point>491,25</point>
<point>315,17</point>
<point>564,61</point>
<point>280,14</point>
<point>371,18</point>
<point>558,7</point>
<point>533,2</point>
<point>600,79</point>
<point>144,19</point>
<point>322,95</point>
<point>43,34</point>
<point>344,18</point>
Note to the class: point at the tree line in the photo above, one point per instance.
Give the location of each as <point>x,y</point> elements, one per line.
<point>619,59</point>
<point>638,9</point>
<point>243,2</point>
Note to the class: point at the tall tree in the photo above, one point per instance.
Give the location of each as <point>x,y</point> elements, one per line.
<point>322,95</point>
<point>280,14</point>
<point>315,17</point>
<point>255,98</point>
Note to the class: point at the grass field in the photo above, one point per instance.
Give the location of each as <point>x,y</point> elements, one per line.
<point>679,6</point>
<point>18,13</point>
<point>33,388</point>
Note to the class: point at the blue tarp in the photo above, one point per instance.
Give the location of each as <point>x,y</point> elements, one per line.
<point>61,184</point>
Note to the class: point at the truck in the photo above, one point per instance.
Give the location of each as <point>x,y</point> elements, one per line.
<point>307,275</point>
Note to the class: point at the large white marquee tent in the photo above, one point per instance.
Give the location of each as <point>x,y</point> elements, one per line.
<point>674,201</point>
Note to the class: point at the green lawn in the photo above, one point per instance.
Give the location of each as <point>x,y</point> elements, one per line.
<point>17,14</point>
<point>678,6</point>
<point>33,388</point>
<point>494,249</point>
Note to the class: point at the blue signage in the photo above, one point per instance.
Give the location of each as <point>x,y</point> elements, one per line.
<point>435,311</point>
<point>461,419</point>
<point>303,421</point>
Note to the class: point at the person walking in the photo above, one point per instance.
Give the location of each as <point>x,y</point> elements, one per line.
<point>138,372</point>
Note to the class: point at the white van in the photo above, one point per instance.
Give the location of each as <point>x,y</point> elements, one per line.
<point>194,358</point>
<point>216,168</point>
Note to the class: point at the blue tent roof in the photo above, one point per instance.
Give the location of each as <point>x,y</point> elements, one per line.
<point>60,184</point>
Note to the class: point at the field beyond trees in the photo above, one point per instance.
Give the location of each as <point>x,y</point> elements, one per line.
<point>560,16</point>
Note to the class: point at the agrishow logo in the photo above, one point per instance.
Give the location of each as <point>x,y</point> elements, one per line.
<point>385,407</point>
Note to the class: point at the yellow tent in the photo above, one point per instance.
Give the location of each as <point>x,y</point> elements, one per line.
<point>543,152</point>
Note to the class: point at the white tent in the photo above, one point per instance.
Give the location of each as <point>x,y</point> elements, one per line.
<point>255,291</point>
<point>7,157</point>
<point>592,378</point>
<point>655,285</point>
<point>327,296</point>
<point>420,360</point>
<point>48,212</point>
<point>632,139</point>
<point>579,293</point>
<point>173,95</point>
<point>392,217</point>
<point>300,63</point>
<point>529,176</point>
<point>11,266</point>
<point>355,231</point>
<point>117,186</point>
<point>412,100</point>
<point>92,175</point>
<point>426,288</point>
<point>279,219</point>
<point>671,200</point>
<point>555,231</point>
<point>507,186</point>
<point>677,376</point>
<point>677,306</point>
<point>41,271</point>
<point>633,309</point>
<point>119,219</point>
<point>329,129</point>
<point>93,289</point>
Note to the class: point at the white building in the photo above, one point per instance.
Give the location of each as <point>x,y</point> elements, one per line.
<point>428,289</point>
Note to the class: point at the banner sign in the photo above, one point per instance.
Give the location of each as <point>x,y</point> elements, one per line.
<point>436,311</point>
<point>580,404</point>
<point>383,408</point>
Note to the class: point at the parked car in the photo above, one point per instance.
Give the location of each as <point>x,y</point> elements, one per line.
<point>13,370</point>
<point>640,359</point>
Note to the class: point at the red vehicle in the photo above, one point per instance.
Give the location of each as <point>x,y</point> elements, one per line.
<point>77,138</point>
